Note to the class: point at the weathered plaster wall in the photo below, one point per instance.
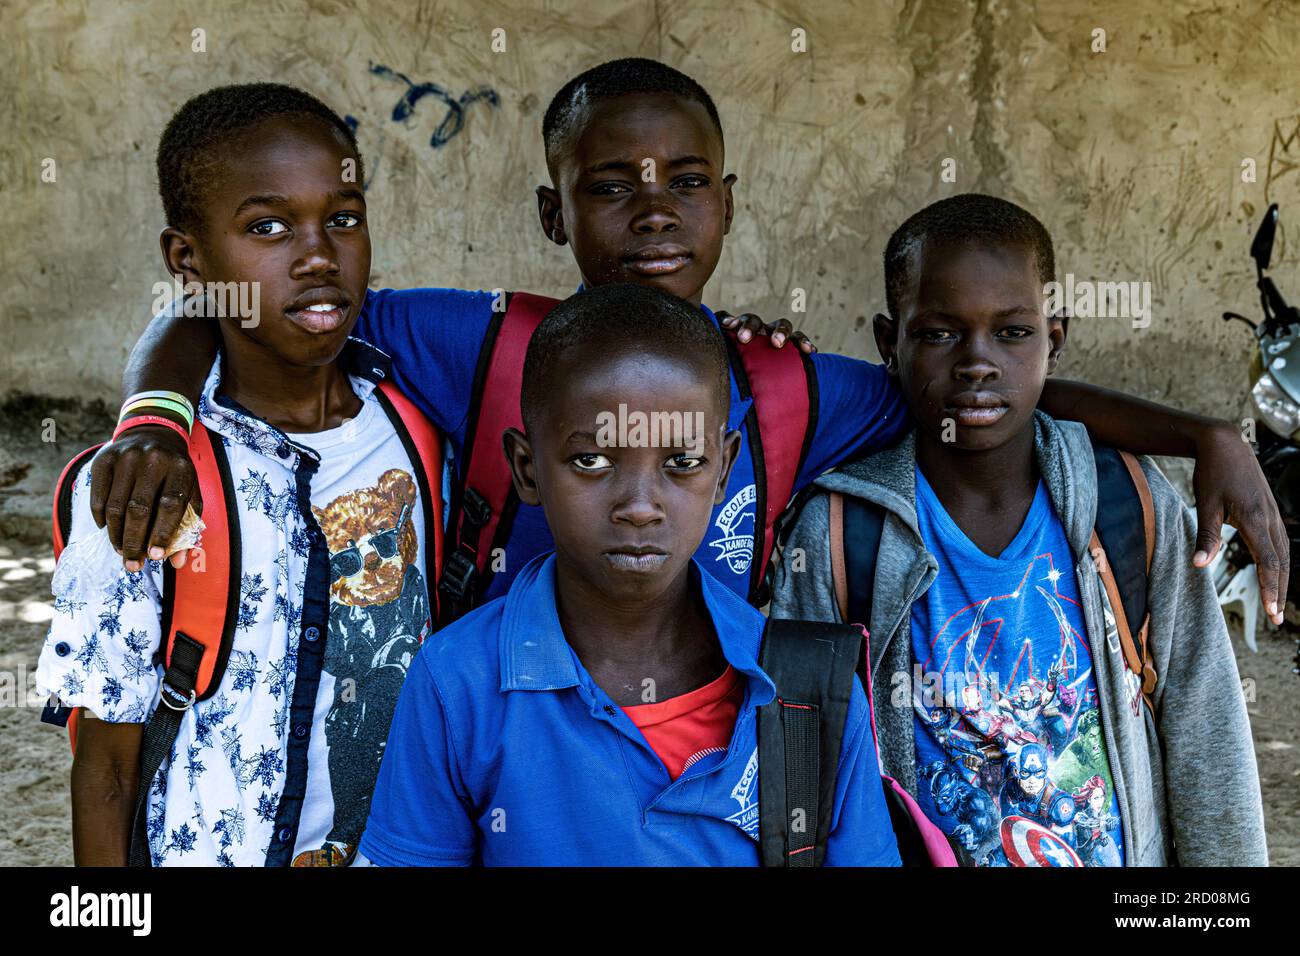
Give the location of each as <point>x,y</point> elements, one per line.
<point>1132,156</point>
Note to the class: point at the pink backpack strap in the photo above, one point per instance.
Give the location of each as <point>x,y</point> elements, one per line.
<point>937,848</point>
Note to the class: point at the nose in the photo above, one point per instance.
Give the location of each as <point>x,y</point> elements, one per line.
<point>656,213</point>
<point>317,256</point>
<point>638,506</point>
<point>975,365</point>
<point>373,560</point>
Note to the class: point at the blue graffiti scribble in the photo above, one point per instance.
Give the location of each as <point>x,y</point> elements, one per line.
<point>454,121</point>
<point>352,122</point>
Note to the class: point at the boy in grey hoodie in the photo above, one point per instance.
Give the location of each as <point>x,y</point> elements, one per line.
<point>1003,702</point>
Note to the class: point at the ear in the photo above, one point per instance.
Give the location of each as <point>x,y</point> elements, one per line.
<point>728,182</point>
<point>885,330</point>
<point>1058,327</point>
<point>730,449</point>
<point>180,254</point>
<point>519,456</point>
<point>551,214</point>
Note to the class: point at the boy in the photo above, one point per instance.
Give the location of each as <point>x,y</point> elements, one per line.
<point>603,711</point>
<point>279,764</point>
<point>986,592</point>
<point>668,232</point>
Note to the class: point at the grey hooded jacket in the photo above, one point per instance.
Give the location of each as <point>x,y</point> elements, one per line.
<point>1186,778</point>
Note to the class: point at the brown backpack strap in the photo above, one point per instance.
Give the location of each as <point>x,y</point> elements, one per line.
<point>1134,467</point>
<point>839,577</point>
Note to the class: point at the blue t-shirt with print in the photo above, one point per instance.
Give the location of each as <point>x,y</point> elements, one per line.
<point>1011,761</point>
<point>434,337</point>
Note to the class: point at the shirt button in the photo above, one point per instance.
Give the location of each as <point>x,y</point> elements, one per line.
<point>300,731</point>
<point>62,648</point>
<point>312,634</point>
<point>285,834</point>
<point>283,451</point>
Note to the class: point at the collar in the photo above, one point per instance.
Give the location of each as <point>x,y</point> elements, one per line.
<point>365,365</point>
<point>535,655</point>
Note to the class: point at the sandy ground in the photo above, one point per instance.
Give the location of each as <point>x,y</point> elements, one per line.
<point>34,757</point>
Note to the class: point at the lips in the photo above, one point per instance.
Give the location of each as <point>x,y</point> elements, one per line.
<point>640,559</point>
<point>976,409</point>
<point>658,260</point>
<point>320,310</point>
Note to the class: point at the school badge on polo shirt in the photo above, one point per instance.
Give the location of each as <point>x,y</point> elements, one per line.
<point>745,793</point>
<point>735,548</point>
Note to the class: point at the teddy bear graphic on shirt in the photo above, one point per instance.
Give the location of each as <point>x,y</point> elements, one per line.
<point>379,615</point>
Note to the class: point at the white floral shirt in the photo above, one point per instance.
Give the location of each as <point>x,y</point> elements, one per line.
<point>260,775</point>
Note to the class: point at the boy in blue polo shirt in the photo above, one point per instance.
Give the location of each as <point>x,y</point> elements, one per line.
<point>603,712</point>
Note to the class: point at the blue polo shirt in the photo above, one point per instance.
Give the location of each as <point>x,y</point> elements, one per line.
<point>504,752</point>
<point>434,337</point>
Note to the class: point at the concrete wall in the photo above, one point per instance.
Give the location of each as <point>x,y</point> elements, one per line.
<point>1132,156</point>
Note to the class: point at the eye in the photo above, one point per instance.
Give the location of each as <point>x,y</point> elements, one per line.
<point>686,462</point>
<point>935,336</point>
<point>1016,332</point>
<point>346,220</point>
<point>268,227</point>
<point>591,462</point>
<point>691,181</point>
<point>609,189</point>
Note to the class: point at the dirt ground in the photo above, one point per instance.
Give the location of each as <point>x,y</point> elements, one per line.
<point>34,757</point>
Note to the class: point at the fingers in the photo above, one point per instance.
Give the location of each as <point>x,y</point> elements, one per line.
<point>139,511</point>
<point>805,344</point>
<point>101,483</point>
<point>1279,573</point>
<point>748,326</point>
<point>176,490</point>
<point>779,331</point>
<point>123,480</point>
<point>1256,529</point>
<point>1209,527</point>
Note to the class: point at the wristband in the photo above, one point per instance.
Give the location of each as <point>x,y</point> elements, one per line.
<point>187,410</point>
<point>164,403</point>
<point>139,420</point>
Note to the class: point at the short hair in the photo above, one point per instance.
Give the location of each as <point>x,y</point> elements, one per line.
<point>964,218</point>
<point>190,146</point>
<point>626,77</point>
<point>618,318</point>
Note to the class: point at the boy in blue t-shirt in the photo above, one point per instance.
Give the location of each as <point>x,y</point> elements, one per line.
<point>1004,700</point>
<point>603,712</point>
<point>604,132</point>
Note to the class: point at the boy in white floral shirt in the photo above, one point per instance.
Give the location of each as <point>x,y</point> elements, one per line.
<point>277,766</point>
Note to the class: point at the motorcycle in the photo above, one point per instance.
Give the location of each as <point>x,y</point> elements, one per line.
<point>1275,397</point>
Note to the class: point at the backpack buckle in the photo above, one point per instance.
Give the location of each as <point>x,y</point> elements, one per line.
<point>175,699</point>
<point>457,575</point>
<point>476,509</point>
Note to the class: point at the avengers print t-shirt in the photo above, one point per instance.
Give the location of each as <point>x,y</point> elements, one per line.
<point>1010,757</point>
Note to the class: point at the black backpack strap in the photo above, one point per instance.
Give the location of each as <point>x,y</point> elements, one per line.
<point>1121,528</point>
<point>178,688</point>
<point>800,734</point>
<point>864,523</point>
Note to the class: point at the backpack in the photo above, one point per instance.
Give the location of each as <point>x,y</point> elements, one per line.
<point>1122,546</point>
<point>780,425</point>
<point>200,609</point>
<point>813,665</point>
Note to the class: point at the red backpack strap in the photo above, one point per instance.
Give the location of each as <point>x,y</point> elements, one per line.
<point>423,444</point>
<point>781,423</point>
<point>201,600</point>
<point>483,500</point>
